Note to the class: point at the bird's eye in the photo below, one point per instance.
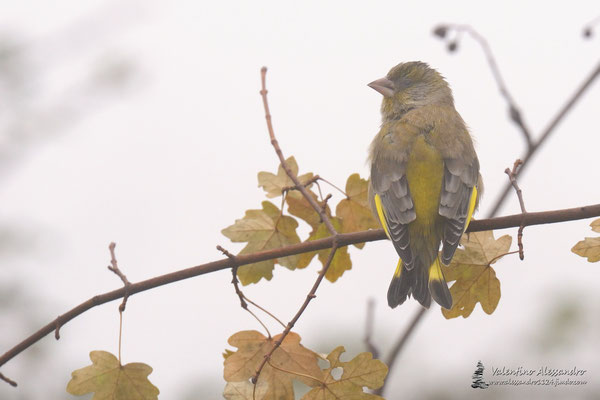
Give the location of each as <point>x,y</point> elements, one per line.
<point>402,83</point>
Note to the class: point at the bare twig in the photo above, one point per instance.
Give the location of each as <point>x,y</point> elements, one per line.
<point>284,165</point>
<point>311,295</point>
<point>513,110</point>
<point>369,328</point>
<point>531,151</point>
<point>115,268</point>
<point>512,176</point>
<point>315,205</point>
<point>341,240</point>
<point>238,291</point>
<point>391,360</point>
<point>8,380</point>
<point>588,29</point>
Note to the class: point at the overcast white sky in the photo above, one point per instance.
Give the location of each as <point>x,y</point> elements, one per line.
<point>164,167</point>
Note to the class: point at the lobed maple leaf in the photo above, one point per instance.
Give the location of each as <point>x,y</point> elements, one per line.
<point>274,184</point>
<point>359,372</point>
<point>341,261</point>
<point>476,280</point>
<point>263,230</point>
<point>245,390</point>
<point>354,210</point>
<point>590,246</point>
<point>109,380</point>
<point>301,208</point>
<point>290,361</point>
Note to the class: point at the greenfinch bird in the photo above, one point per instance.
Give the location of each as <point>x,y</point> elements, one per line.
<point>425,182</point>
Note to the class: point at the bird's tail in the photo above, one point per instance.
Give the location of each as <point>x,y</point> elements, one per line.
<point>422,282</point>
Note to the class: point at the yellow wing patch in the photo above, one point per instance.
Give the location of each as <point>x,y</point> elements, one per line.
<point>381,215</point>
<point>472,202</point>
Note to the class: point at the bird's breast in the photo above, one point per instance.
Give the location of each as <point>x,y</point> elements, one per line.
<point>424,173</point>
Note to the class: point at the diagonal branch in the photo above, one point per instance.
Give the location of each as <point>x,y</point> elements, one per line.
<point>319,209</point>
<point>299,186</point>
<point>547,132</point>
<point>513,110</point>
<point>311,295</point>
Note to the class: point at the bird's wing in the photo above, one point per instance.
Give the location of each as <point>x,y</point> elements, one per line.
<point>394,205</point>
<point>457,201</point>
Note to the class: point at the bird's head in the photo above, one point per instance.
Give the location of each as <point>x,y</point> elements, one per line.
<point>411,85</point>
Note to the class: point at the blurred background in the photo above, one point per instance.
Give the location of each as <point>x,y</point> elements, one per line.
<point>140,122</point>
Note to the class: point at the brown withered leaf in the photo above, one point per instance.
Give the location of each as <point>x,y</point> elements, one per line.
<point>109,380</point>
<point>301,208</point>
<point>274,184</point>
<point>245,390</point>
<point>354,211</point>
<point>341,261</point>
<point>291,361</point>
<point>590,246</point>
<point>359,372</point>
<point>263,230</point>
<point>476,280</point>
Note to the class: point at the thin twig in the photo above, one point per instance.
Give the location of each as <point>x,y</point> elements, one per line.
<point>315,205</point>
<point>264,310</point>
<point>513,110</point>
<point>311,295</point>
<point>512,176</point>
<point>8,380</point>
<point>115,268</point>
<point>284,165</point>
<point>588,29</point>
<point>369,323</point>
<point>238,291</point>
<point>342,239</point>
<point>391,360</point>
<point>493,260</point>
<point>531,151</point>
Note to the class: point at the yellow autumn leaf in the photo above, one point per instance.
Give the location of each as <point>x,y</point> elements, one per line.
<point>362,371</point>
<point>301,208</point>
<point>341,261</point>
<point>590,246</point>
<point>290,361</point>
<point>263,230</point>
<point>245,390</point>
<point>354,210</point>
<point>596,225</point>
<point>476,280</point>
<point>108,380</point>
<point>274,184</point>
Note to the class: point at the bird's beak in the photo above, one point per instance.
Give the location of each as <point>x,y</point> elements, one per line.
<point>383,86</point>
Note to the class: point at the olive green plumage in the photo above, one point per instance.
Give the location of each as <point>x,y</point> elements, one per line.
<point>425,179</point>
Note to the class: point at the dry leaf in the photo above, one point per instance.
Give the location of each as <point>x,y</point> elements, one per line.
<point>475,278</point>
<point>359,372</point>
<point>263,230</point>
<point>355,211</point>
<point>291,357</point>
<point>274,184</point>
<point>108,380</point>
<point>590,246</point>
<point>341,261</point>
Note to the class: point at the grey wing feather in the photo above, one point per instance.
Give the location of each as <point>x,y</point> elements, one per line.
<point>391,185</point>
<point>459,179</point>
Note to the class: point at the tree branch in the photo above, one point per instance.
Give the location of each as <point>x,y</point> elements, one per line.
<point>343,239</point>
<point>319,209</point>
<point>513,110</point>
<point>546,133</point>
